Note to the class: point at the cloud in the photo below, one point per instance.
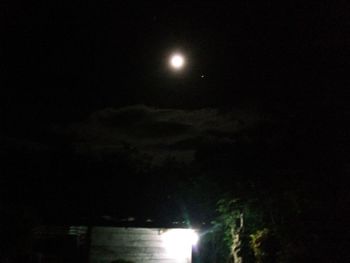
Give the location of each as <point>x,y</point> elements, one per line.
<point>16,145</point>
<point>161,133</point>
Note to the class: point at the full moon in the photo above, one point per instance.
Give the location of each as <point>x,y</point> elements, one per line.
<point>177,61</point>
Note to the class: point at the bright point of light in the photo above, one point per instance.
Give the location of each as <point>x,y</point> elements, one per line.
<point>177,61</point>
<point>178,242</point>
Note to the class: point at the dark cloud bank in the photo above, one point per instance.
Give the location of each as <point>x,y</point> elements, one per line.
<point>116,161</point>
<point>160,133</point>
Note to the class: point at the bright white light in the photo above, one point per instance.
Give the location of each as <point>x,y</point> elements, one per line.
<point>177,61</point>
<point>178,242</point>
<point>193,236</point>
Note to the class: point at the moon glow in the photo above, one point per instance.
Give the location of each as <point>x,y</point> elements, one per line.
<point>177,61</point>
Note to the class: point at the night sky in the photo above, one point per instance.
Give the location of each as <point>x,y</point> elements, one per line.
<point>82,81</point>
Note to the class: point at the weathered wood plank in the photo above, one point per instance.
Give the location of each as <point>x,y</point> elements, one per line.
<point>145,261</point>
<point>130,250</point>
<point>134,244</point>
<point>125,230</point>
<point>130,240</point>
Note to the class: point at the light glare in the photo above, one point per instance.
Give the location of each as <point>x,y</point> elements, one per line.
<point>177,61</point>
<point>178,242</point>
